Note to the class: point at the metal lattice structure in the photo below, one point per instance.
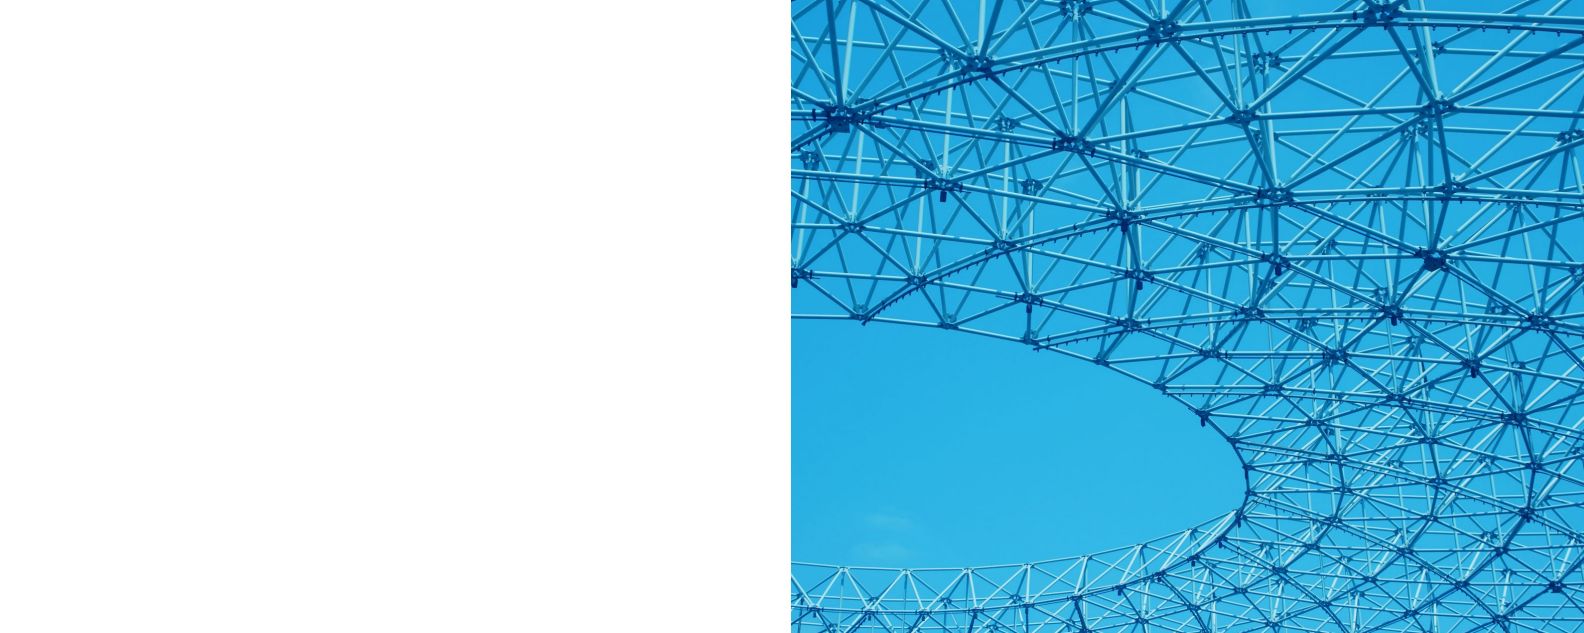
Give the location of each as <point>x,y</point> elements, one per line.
<point>1345,236</point>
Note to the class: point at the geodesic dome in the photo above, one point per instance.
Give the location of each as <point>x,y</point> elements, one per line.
<point>1345,236</point>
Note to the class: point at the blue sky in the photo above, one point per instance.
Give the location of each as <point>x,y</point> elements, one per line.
<point>915,447</point>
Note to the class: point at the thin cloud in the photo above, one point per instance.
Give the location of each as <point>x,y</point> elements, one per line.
<point>883,552</point>
<point>888,522</point>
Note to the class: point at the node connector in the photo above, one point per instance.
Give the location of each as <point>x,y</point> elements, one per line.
<point>1417,129</point>
<point>1394,313</point>
<point>1450,188</point>
<point>1437,108</point>
<point>1123,217</point>
<point>1074,9</point>
<point>1382,11</point>
<point>1029,300</point>
<point>975,64</point>
<point>1273,195</point>
<point>1277,261</point>
<point>1162,31</point>
<point>1072,143</point>
<point>1264,61</point>
<point>1537,321</point>
<point>840,118</point>
<point>942,185</point>
<point>1139,276</point>
<point>1431,258</point>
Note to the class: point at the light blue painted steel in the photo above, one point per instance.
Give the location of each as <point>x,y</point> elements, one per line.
<point>1345,236</point>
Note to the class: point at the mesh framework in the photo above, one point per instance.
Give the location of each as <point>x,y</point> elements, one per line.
<point>1344,236</point>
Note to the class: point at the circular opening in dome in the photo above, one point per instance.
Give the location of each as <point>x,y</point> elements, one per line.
<point>914,447</point>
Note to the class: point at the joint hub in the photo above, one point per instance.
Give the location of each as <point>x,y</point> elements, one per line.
<point>1162,31</point>
<point>1382,12</point>
<point>840,118</point>
<point>1072,143</point>
<point>1273,195</point>
<point>1431,258</point>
